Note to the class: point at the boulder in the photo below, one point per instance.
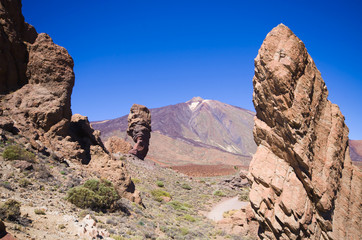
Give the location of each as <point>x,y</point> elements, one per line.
<point>139,129</point>
<point>303,183</point>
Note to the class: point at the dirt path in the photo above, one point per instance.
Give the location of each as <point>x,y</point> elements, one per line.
<point>217,211</point>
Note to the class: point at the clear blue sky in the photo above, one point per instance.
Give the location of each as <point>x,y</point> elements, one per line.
<point>158,53</point>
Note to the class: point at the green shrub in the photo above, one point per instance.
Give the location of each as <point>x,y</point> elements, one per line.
<point>189,218</point>
<point>24,182</point>
<point>160,184</point>
<point>136,180</point>
<point>39,211</point>
<point>219,193</point>
<point>10,210</point>
<point>186,186</point>
<point>94,194</point>
<point>158,194</point>
<point>179,206</point>
<point>16,152</point>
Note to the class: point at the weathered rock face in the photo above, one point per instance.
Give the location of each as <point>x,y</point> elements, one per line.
<point>304,185</point>
<point>117,145</point>
<point>139,129</point>
<point>36,81</point>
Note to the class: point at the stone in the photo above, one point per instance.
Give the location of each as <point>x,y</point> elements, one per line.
<point>87,228</point>
<point>303,182</point>
<point>139,129</point>
<point>117,145</point>
<point>23,165</point>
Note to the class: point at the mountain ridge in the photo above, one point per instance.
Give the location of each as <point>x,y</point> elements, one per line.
<point>197,125</point>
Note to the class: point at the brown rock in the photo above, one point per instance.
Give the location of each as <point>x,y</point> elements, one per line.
<point>303,182</point>
<point>117,145</point>
<point>36,81</point>
<point>2,229</point>
<point>139,129</point>
<point>23,165</point>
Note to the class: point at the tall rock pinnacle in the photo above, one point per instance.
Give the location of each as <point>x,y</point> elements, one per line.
<point>304,185</point>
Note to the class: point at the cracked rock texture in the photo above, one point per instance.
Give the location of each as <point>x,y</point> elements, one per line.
<point>303,183</point>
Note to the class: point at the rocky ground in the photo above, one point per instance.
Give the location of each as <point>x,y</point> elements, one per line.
<point>41,187</point>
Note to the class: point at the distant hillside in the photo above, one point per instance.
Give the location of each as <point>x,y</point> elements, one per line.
<point>198,131</point>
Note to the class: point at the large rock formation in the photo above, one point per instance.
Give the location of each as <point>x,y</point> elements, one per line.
<point>36,81</point>
<point>304,185</point>
<point>139,129</point>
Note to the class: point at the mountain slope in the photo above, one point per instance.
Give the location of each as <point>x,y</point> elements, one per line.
<point>198,131</point>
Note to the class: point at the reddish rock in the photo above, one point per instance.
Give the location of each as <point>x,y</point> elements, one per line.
<point>117,145</point>
<point>139,129</point>
<point>303,183</point>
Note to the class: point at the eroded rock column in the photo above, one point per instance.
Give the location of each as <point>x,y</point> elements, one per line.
<point>304,185</point>
<point>139,129</point>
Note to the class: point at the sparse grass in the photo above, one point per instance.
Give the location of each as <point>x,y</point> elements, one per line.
<point>179,206</point>
<point>186,186</point>
<point>219,193</point>
<point>94,194</point>
<point>16,152</point>
<point>117,237</point>
<point>39,212</point>
<point>10,210</point>
<point>160,184</point>
<point>184,231</point>
<point>136,180</point>
<point>187,217</point>
<point>24,182</point>
<point>158,194</point>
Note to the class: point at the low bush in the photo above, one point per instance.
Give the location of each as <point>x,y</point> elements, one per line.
<point>219,193</point>
<point>16,152</point>
<point>10,210</point>
<point>39,212</point>
<point>24,182</point>
<point>158,194</point>
<point>94,194</point>
<point>186,186</point>
<point>187,217</point>
<point>179,206</point>
<point>160,184</point>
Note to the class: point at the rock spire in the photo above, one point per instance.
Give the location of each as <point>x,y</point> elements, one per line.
<point>303,183</point>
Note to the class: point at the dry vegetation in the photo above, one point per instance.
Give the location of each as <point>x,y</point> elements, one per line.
<point>174,204</point>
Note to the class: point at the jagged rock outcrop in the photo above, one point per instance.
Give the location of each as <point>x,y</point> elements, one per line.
<point>304,185</point>
<point>139,129</point>
<point>117,145</point>
<point>36,82</point>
